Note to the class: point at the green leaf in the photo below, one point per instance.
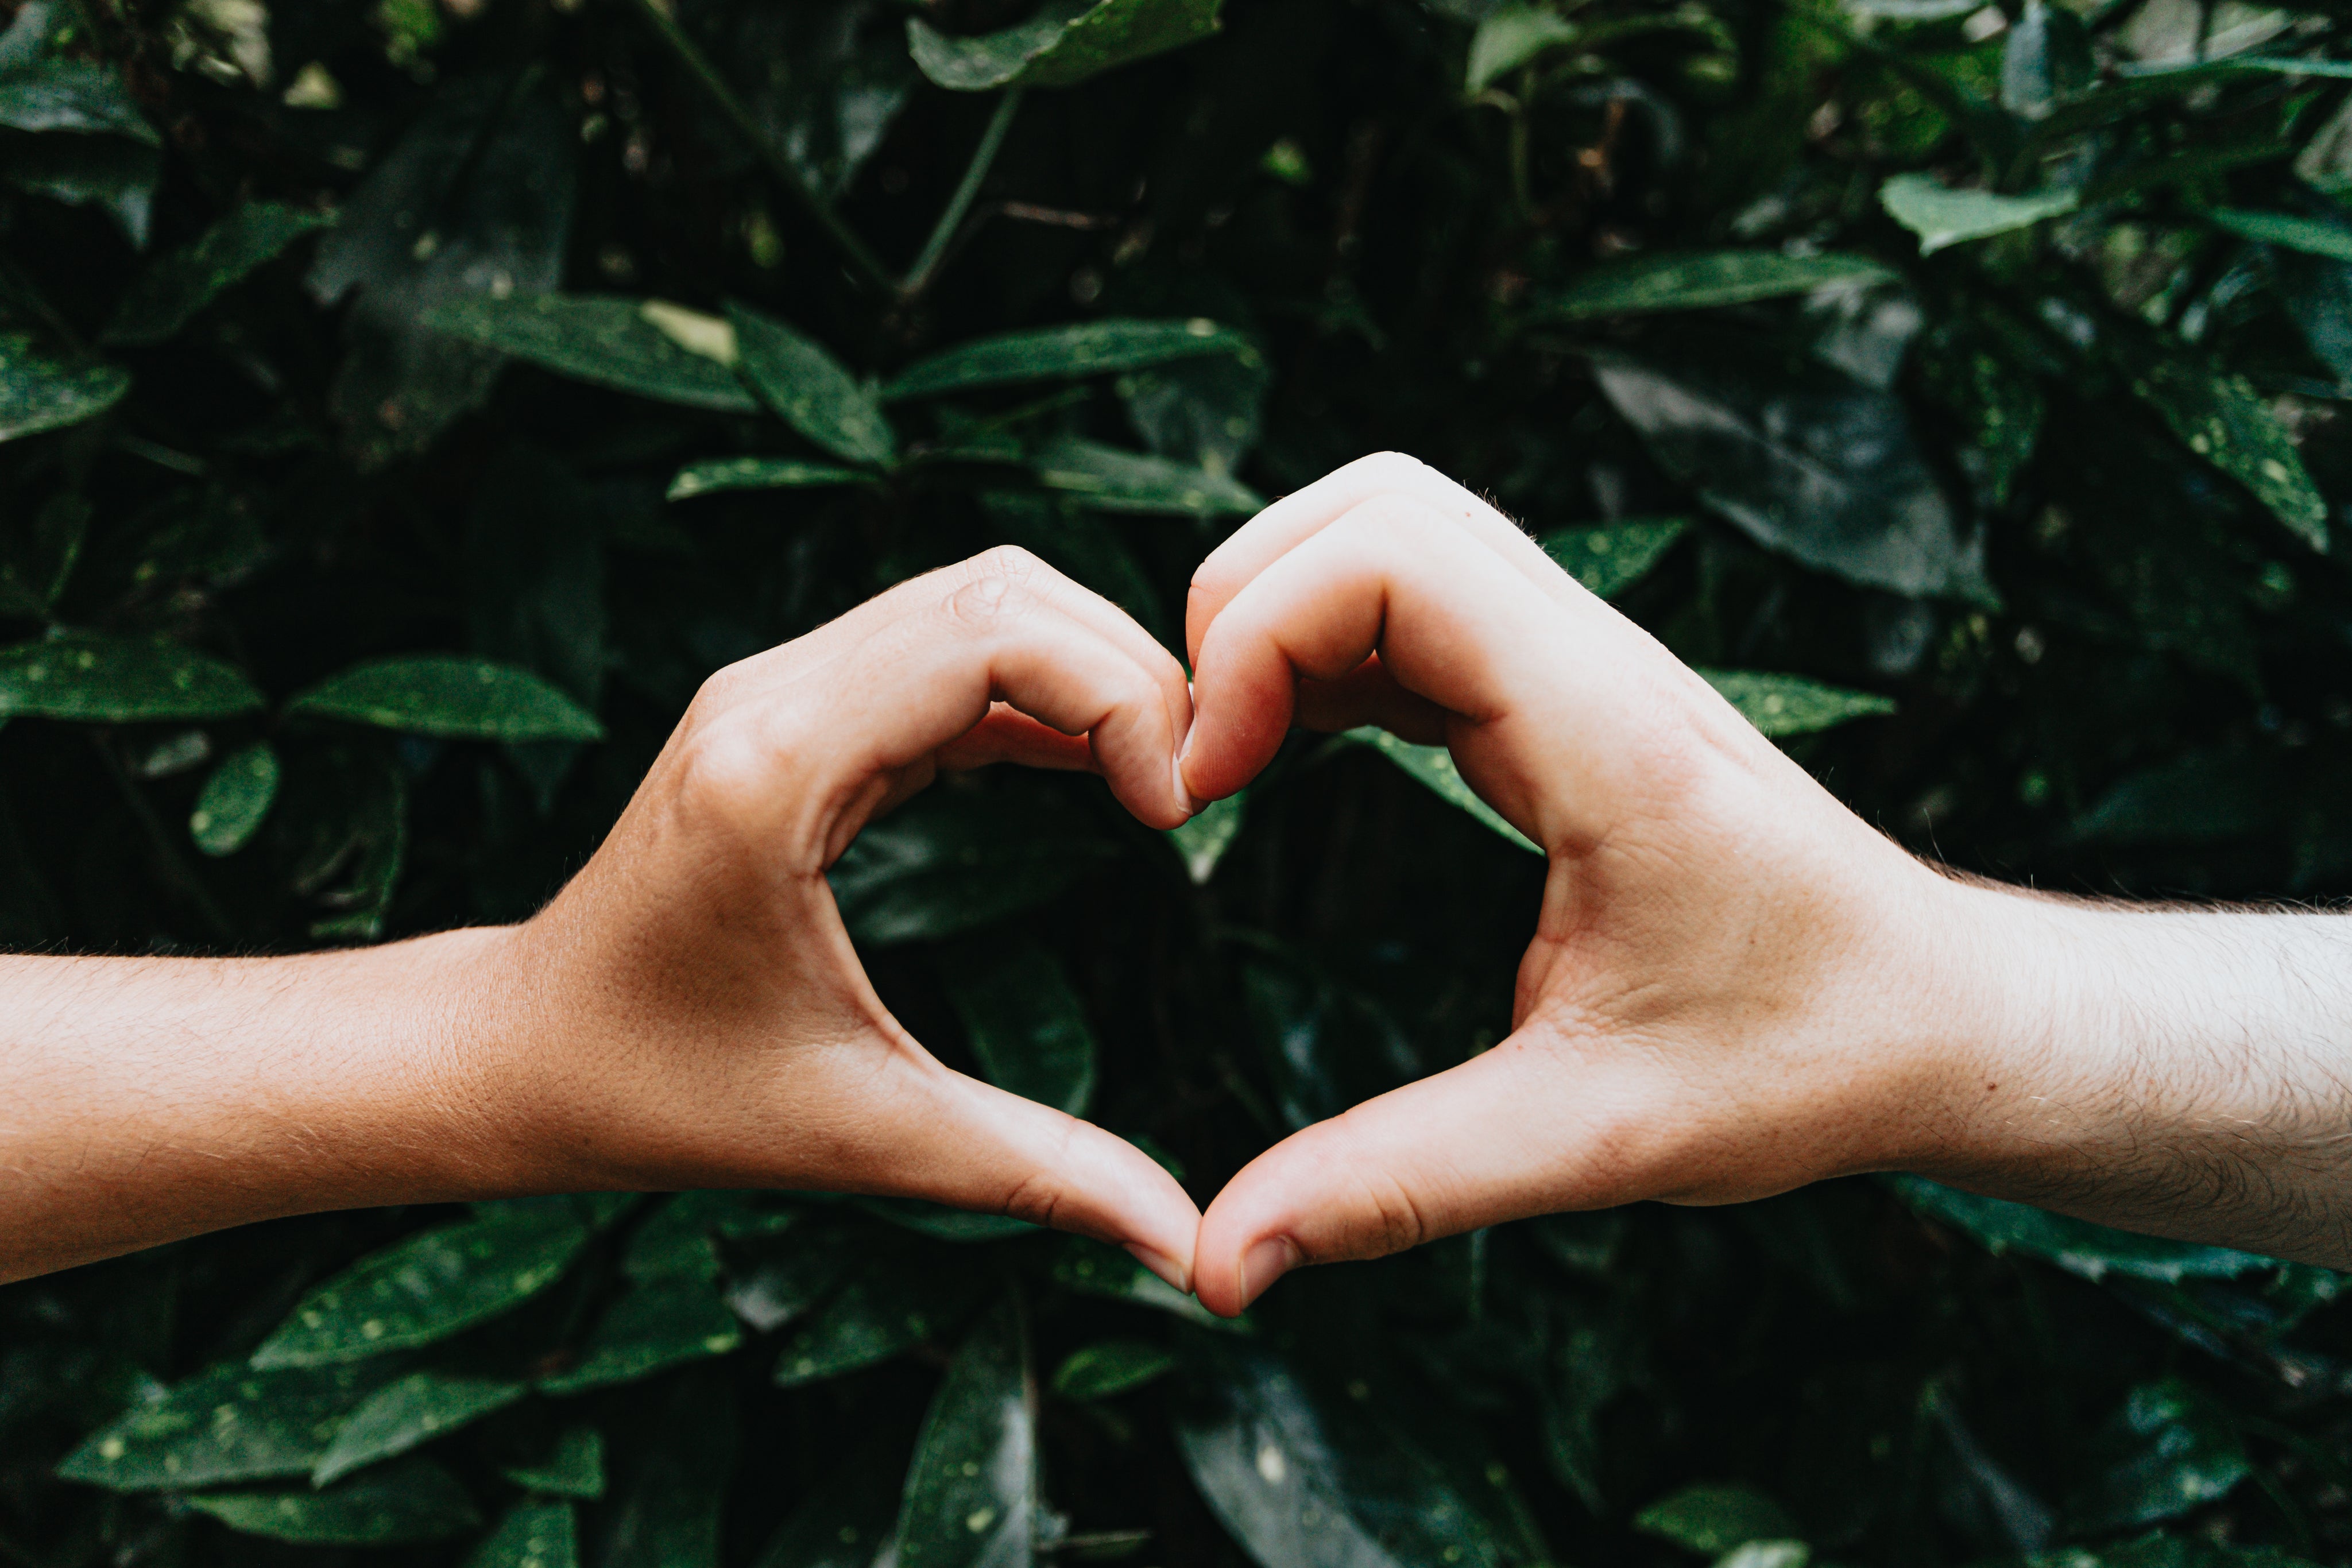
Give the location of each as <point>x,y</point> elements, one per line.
<point>1434,766</point>
<point>675,1242</point>
<point>1942,216</point>
<point>1110,1367</point>
<point>399,1415</point>
<point>2220,417</point>
<point>2314,236</point>
<point>970,1499</point>
<point>1300,1480</point>
<point>1714,1520</point>
<point>2196,796</point>
<point>1647,285</point>
<point>714,475</point>
<point>2156,1549</point>
<point>414,1500</point>
<point>961,1226</point>
<point>1111,480</point>
<point>170,293</point>
<point>1028,1026</point>
<point>954,859</point>
<point>785,1283</point>
<point>629,345</point>
<point>846,1520</point>
<point>893,1304</point>
<point>118,680</point>
<point>2077,1246</point>
<point>575,1467</point>
<point>1510,37</point>
<point>230,1423</point>
<point>671,1517</point>
<point>428,1287</point>
<point>451,696</point>
<point>2168,1451</point>
<point>1064,353</point>
<point>531,1535</point>
<point>1063,44</point>
<point>1791,705</point>
<point>39,393</point>
<point>1612,557</point>
<point>810,390</point>
<point>1096,1268</point>
<point>234,799</point>
<point>654,1327</point>
<point>73,95</point>
<point>1204,839</point>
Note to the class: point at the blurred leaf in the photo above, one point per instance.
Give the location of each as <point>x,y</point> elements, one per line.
<point>1645,285</point>
<point>612,343</point>
<point>890,1305</point>
<point>1028,1026</point>
<point>671,1517</point>
<point>1063,44</point>
<point>1298,1480</point>
<point>71,95</point>
<point>675,1241</point>
<point>1588,1369</point>
<point>1111,480</point>
<point>1942,216</point>
<point>845,77</point>
<point>656,1326</point>
<point>810,391</point>
<point>230,1423</point>
<point>428,1287</point>
<point>574,1468</point>
<point>2046,60</point>
<point>170,293</point>
<point>784,1282</point>
<point>38,560</point>
<point>80,139</point>
<point>118,680</point>
<point>414,1500</point>
<point>1434,766</point>
<point>2156,1549</point>
<point>453,698</point>
<point>952,860</point>
<point>531,1535</point>
<point>2314,236</point>
<point>2199,797</point>
<point>1714,1520</point>
<point>1806,461</point>
<point>39,393</point>
<point>1096,1268</point>
<point>846,1520</point>
<point>2168,1451</point>
<point>2077,1246</point>
<point>234,799</point>
<point>1790,705</point>
<point>2222,420</point>
<point>718,474</point>
<point>416,1409</point>
<point>959,1227</point>
<point>971,1498</point>
<point>1612,557</point>
<point>1110,1367</point>
<point>1510,37</point>
<point>1063,353</point>
<point>1204,839</point>
<point>1204,413</point>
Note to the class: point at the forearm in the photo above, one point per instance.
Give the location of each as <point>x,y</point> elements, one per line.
<point>155,1098</point>
<point>2185,1073</point>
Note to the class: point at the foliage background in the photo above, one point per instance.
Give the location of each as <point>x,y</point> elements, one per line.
<point>1984,360</point>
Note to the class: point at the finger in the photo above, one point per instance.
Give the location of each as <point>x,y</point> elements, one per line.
<point>1370,695</point>
<point>1008,734</point>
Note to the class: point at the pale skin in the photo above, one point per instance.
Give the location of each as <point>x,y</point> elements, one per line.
<point>1734,986</point>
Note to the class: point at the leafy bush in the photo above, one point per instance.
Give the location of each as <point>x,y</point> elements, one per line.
<point>406,406</point>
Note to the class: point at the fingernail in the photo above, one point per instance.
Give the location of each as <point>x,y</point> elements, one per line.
<point>1184,794</point>
<point>1167,1268</point>
<point>1264,1263</point>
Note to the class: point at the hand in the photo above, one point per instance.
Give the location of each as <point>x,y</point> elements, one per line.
<point>1733,985</point>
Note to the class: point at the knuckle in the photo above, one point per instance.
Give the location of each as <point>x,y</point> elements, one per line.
<point>1011,563</point>
<point>1036,1198</point>
<point>1392,467</point>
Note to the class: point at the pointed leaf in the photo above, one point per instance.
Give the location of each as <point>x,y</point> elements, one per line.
<point>675,1241</point>
<point>1790,705</point>
<point>39,393</point>
<point>1434,766</point>
<point>531,1535</point>
<point>1612,557</point>
<point>1655,283</point>
<point>654,1327</point>
<point>2221,417</point>
<point>810,391</point>
<point>1714,1520</point>
<point>2077,1246</point>
<point>1942,216</point>
<point>670,1516</point>
<point>846,1522</point>
<point>718,474</point>
<point>1111,480</point>
<point>1510,37</point>
<point>971,1493</point>
<point>2314,236</point>
<point>1111,1367</point>
<point>230,1423</point>
<point>170,293</point>
<point>1096,1269</point>
<point>399,1415</point>
<point>414,1500</point>
<point>1065,42</point>
<point>234,799</point>
<point>575,1467</point>
<point>893,1305</point>
<point>451,696</point>
<point>1064,353</point>
<point>1204,839</point>
<point>76,96</point>
<point>2169,1450</point>
<point>1028,1026</point>
<point>613,342</point>
<point>118,680</point>
<point>952,860</point>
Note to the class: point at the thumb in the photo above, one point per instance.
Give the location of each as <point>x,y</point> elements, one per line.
<point>1502,1136</point>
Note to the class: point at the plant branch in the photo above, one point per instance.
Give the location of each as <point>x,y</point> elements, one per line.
<point>943,233</point>
<point>862,261</point>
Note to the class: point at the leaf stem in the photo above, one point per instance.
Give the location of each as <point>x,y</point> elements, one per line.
<point>943,233</point>
<point>863,261</point>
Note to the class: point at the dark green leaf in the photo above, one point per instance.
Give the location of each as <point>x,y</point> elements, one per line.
<point>2046,60</point>
<point>629,345</point>
<point>2200,797</point>
<point>846,1520</point>
<point>1610,558</point>
<point>414,1500</point>
<point>428,1287</point>
<point>2077,1246</point>
<point>953,859</point>
<point>2168,1451</point>
<point>1434,766</point>
<point>810,391</point>
<point>1028,1026</point>
<point>786,1279</point>
<point>1095,1268</point>
<point>942,1223</point>
<point>118,680</point>
<point>892,1305</point>
<point>1714,1520</point>
<point>1790,705</point>
<point>2221,419</point>
<point>1110,1367</point>
<point>531,1535</point>
<point>1065,44</point>
<point>1654,283</point>
<point>237,796</point>
<point>72,95</point>
<point>1204,839</point>
<point>1063,353</point>
<point>671,1515</point>
<point>1204,413</point>
<point>1512,35</point>
<point>675,1241</point>
<point>2314,236</point>
<point>718,474</point>
<point>231,1423</point>
<point>456,698</point>
<point>399,1415</point>
<point>654,1327</point>
<point>167,297</point>
<point>1942,216</point>
<point>1110,480</point>
<point>575,1467</point>
<point>39,393</point>
<point>972,1494</point>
